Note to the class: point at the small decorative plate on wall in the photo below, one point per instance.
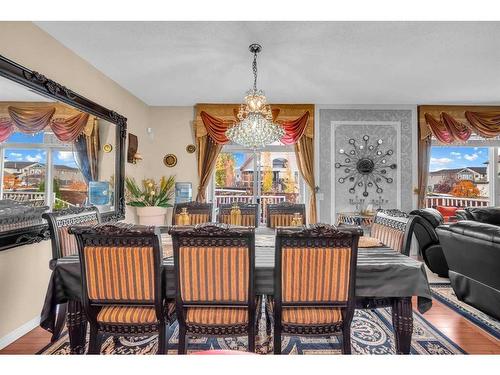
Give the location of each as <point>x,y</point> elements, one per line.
<point>107,147</point>
<point>190,148</point>
<point>170,160</point>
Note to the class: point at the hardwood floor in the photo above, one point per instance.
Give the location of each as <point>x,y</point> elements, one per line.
<point>469,337</point>
<point>30,343</point>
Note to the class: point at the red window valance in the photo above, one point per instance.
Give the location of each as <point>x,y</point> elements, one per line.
<point>216,128</point>
<point>455,124</point>
<point>34,119</point>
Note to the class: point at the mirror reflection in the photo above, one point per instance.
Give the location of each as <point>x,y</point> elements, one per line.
<point>52,154</point>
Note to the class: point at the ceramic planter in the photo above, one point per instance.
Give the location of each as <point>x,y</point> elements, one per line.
<point>151,215</point>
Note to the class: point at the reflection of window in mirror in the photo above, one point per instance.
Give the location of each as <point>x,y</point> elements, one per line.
<point>51,153</point>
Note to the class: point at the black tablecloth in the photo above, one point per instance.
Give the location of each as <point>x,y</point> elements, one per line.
<point>380,272</point>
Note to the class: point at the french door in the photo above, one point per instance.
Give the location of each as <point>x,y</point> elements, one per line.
<point>264,177</point>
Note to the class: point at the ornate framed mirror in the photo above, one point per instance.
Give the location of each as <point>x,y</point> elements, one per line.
<point>52,156</point>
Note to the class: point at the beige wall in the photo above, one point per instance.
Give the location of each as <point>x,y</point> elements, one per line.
<point>172,132</point>
<point>24,270</point>
<point>24,276</point>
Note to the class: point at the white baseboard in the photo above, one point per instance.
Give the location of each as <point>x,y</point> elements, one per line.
<point>19,332</point>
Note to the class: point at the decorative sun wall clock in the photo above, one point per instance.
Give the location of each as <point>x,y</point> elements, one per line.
<point>366,166</point>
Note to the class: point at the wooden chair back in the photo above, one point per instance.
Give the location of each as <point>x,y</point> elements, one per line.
<point>214,266</point>
<point>281,214</point>
<point>64,243</point>
<point>249,214</point>
<point>120,265</point>
<point>315,266</point>
<point>394,228</point>
<point>199,212</point>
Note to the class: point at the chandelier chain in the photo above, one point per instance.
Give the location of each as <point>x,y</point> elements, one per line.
<point>254,69</point>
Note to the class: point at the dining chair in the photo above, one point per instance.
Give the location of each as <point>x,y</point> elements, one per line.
<point>315,275</point>
<point>64,244</point>
<point>394,228</point>
<point>122,289</point>
<point>281,214</point>
<point>214,272</point>
<point>249,214</point>
<point>198,212</point>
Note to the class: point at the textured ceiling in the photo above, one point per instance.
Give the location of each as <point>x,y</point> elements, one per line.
<point>183,63</point>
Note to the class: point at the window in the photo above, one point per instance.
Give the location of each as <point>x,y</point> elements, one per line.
<point>264,177</point>
<point>41,170</point>
<point>459,175</point>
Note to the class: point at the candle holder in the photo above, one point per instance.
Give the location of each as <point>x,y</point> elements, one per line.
<point>357,202</point>
<point>379,202</point>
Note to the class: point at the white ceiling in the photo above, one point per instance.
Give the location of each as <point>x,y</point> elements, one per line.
<point>183,63</point>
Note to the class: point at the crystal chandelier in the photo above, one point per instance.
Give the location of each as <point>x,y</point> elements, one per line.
<point>255,128</point>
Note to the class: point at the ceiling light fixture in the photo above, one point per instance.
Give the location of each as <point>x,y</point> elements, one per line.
<point>255,128</point>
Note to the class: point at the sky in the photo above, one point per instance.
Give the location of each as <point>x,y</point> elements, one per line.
<point>457,157</point>
<point>240,158</point>
<point>34,155</point>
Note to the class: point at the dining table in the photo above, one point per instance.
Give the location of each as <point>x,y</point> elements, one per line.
<point>384,278</point>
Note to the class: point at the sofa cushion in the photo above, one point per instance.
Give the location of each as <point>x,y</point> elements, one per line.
<point>477,230</point>
<point>432,215</point>
<point>447,212</point>
<point>489,215</point>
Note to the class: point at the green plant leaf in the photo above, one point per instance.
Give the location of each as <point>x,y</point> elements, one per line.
<point>140,195</point>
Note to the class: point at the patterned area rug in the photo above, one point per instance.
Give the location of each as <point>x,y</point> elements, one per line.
<point>443,292</point>
<point>371,334</point>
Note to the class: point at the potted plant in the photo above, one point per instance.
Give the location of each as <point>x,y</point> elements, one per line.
<point>151,200</point>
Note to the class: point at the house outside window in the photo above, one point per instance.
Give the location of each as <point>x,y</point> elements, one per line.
<point>464,175</point>
<point>40,170</point>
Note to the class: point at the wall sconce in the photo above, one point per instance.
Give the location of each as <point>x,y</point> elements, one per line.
<point>137,157</point>
<point>150,133</point>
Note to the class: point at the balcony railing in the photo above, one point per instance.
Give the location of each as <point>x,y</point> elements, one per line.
<point>449,201</point>
<point>264,201</point>
<point>35,198</point>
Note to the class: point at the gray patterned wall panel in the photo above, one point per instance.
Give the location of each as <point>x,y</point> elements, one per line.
<point>327,171</point>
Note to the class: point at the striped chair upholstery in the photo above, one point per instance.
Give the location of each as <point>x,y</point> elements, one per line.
<point>246,220</point>
<point>392,228</point>
<point>301,316</point>
<point>314,280</point>
<point>64,243</point>
<point>215,274</point>
<point>120,274</point>
<point>214,266</point>
<point>282,214</point>
<point>249,214</point>
<point>306,274</point>
<point>122,283</point>
<point>281,220</point>
<point>199,213</point>
<point>216,316</point>
<point>199,218</point>
<point>127,315</point>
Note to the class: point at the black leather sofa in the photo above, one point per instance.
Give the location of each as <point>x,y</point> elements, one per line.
<point>425,224</point>
<point>472,251</point>
<point>489,215</point>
